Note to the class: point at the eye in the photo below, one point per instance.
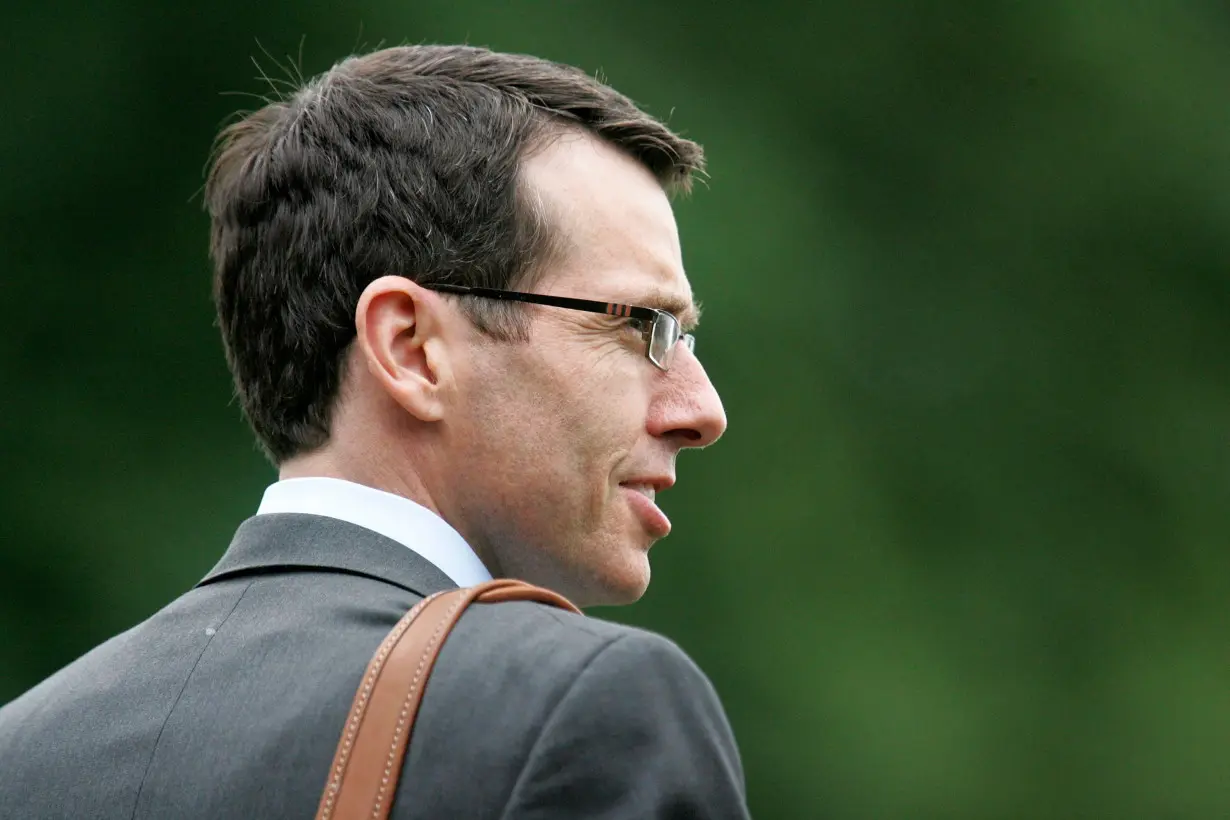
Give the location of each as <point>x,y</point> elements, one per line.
<point>641,326</point>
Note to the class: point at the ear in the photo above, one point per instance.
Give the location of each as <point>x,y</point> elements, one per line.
<point>400,334</point>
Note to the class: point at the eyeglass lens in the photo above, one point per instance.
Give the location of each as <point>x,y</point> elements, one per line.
<point>662,341</point>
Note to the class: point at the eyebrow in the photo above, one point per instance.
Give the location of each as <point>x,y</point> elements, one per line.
<point>687,311</point>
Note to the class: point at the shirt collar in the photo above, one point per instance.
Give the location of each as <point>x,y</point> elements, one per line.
<point>393,516</point>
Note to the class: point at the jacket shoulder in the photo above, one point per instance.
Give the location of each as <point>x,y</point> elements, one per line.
<point>552,640</point>
<point>502,678</point>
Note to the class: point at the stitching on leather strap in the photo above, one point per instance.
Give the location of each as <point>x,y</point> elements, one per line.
<point>360,706</point>
<point>395,745</point>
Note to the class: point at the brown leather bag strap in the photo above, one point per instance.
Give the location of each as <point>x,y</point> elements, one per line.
<point>363,777</point>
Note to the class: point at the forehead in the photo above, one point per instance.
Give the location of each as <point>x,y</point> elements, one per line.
<point>617,235</point>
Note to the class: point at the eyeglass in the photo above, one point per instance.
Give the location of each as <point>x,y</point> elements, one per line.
<point>660,329</point>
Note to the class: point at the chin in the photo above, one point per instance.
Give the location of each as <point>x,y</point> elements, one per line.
<point>604,572</point>
<point>617,585</point>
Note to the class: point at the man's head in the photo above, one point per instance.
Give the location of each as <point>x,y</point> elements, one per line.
<point>537,432</point>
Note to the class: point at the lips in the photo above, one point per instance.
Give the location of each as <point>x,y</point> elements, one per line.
<point>642,494</point>
<point>650,483</point>
<point>645,489</point>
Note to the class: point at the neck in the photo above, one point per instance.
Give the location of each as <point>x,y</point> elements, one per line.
<point>379,471</point>
<point>371,472</point>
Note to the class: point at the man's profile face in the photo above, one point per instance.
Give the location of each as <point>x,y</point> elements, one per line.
<point>564,442</point>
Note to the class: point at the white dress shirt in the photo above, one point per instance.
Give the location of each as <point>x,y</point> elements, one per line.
<point>410,524</point>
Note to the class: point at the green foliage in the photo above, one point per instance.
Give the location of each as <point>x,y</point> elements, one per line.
<point>963,550</point>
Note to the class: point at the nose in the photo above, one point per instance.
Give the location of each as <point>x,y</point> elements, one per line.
<point>687,408</point>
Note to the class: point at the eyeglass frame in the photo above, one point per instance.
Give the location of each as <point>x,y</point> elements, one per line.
<point>654,316</point>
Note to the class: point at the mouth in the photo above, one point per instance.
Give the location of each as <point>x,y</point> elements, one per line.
<point>642,495</point>
<point>648,490</point>
<point>649,485</point>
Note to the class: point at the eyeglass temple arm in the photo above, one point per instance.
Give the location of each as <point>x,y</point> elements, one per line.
<point>587,305</point>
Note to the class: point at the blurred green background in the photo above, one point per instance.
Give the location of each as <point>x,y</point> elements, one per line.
<point>963,552</point>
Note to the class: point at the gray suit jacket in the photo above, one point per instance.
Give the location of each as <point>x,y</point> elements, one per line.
<point>229,702</point>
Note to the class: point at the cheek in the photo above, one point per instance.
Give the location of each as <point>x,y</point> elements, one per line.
<point>555,431</point>
<point>602,424</point>
<point>518,428</point>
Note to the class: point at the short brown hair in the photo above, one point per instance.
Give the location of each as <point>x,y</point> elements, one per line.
<point>401,161</point>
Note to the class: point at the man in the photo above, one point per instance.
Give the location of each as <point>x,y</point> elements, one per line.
<point>451,294</point>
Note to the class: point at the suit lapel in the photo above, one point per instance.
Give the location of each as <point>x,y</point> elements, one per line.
<point>295,541</point>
